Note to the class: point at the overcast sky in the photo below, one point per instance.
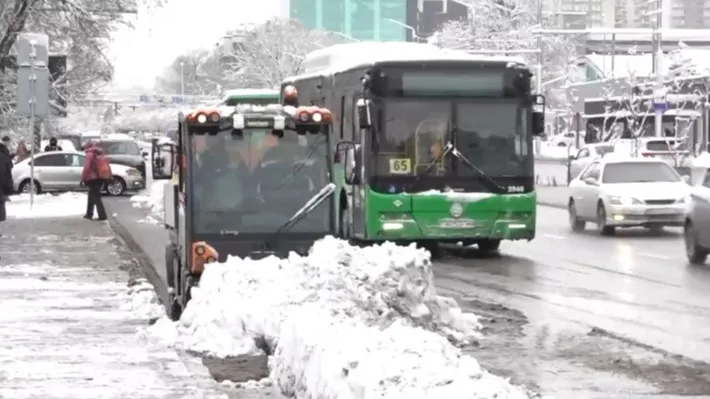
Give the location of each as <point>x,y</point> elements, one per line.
<point>142,53</point>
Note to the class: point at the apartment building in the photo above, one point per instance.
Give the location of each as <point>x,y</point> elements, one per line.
<point>677,14</point>
<point>566,13</point>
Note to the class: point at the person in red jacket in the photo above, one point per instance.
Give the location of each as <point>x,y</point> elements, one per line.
<point>90,177</point>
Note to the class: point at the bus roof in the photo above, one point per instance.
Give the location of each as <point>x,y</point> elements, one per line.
<point>343,57</point>
<point>252,93</point>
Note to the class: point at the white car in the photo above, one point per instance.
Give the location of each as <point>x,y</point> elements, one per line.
<point>61,171</point>
<point>586,155</point>
<point>628,192</point>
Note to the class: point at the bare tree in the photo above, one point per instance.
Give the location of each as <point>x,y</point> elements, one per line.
<point>194,72</point>
<point>271,52</point>
<point>508,25</point>
<point>78,29</point>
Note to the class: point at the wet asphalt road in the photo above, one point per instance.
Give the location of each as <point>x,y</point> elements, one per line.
<point>575,315</point>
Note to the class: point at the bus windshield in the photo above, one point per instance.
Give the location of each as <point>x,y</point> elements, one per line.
<point>492,135</point>
<point>255,182</point>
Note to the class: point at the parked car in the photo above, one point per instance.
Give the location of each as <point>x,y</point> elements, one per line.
<point>586,155</point>
<point>124,151</point>
<point>61,171</point>
<point>696,230</point>
<point>616,192</point>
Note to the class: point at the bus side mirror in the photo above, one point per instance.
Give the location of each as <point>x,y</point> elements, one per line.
<point>538,115</point>
<point>538,123</point>
<point>163,156</point>
<point>349,160</point>
<point>364,113</point>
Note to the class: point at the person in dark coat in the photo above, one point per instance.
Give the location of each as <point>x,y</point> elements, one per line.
<point>90,177</point>
<point>53,146</point>
<point>6,184</point>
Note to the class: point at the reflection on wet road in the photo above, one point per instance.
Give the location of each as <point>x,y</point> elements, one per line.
<point>585,316</point>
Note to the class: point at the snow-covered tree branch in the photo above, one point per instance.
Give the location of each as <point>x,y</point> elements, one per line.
<point>79,29</point>
<point>194,72</point>
<point>272,52</point>
<point>508,25</point>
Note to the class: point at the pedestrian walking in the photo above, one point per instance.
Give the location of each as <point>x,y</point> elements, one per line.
<point>96,173</point>
<point>22,152</point>
<point>6,186</point>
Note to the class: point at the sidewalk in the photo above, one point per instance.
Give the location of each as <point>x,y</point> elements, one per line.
<point>557,197</point>
<point>68,328</point>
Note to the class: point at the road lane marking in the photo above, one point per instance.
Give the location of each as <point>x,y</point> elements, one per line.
<point>649,255</point>
<point>555,236</point>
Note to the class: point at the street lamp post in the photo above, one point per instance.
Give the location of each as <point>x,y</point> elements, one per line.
<point>405,26</point>
<point>182,82</point>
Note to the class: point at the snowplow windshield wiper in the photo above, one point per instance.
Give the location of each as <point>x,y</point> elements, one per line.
<point>447,149</point>
<point>305,210</point>
<point>300,165</point>
<point>492,183</point>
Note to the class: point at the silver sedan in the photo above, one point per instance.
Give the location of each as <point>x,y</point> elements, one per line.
<point>61,171</point>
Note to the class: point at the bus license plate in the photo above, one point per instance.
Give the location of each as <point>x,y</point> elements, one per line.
<point>457,223</point>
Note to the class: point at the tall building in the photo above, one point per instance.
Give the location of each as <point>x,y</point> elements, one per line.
<point>598,13</point>
<point>380,20</point>
<point>360,19</point>
<point>675,14</point>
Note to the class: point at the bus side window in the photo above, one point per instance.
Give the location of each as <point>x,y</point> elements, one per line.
<point>341,114</point>
<point>355,119</point>
<point>347,122</point>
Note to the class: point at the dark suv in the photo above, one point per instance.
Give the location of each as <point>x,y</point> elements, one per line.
<point>124,152</point>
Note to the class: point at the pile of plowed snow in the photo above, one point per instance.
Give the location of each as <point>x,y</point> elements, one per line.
<point>342,322</point>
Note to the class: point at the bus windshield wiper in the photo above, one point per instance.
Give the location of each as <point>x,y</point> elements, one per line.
<point>447,149</point>
<point>492,183</point>
<point>305,210</point>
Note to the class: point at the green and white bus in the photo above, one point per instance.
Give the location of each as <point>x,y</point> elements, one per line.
<point>435,146</point>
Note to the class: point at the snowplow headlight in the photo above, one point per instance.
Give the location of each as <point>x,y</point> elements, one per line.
<point>211,259</point>
<point>200,250</point>
<point>317,117</point>
<point>304,117</point>
<point>214,117</point>
<point>279,123</point>
<point>238,122</point>
<point>201,118</point>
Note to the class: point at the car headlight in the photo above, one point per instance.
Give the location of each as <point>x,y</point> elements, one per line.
<point>133,172</point>
<point>683,200</point>
<point>619,200</point>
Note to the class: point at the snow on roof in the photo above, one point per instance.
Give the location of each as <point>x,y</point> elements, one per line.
<point>620,66</point>
<point>341,57</point>
<point>251,93</point>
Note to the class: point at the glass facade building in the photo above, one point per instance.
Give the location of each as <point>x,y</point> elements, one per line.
<point>360,19</point>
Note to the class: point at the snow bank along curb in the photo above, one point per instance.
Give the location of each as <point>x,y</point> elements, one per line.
<point>342,322</point>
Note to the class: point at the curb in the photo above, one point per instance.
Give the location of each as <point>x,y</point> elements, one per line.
<point>142,258</point>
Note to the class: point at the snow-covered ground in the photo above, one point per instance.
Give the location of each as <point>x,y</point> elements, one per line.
<point>69,325</point>
<point>554,152</point>
<point>46,205</point>
<point>342,322</point>
<point>151,199</point>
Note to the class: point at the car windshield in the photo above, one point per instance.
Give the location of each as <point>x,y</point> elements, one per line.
<point>122,147</point>
<point>665,145</point>
<point>639,172</point>
<point>603,149</point>
<point>256,182</point>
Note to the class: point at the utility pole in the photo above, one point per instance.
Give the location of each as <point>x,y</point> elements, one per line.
<point>33,88</point>
<point>538,75</point>
<point>660,103</point>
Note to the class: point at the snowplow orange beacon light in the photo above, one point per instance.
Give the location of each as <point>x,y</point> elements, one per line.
<point>290,93</point>
<point>202,253</point>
